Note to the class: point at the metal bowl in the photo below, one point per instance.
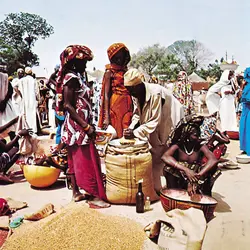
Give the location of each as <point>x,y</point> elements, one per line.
<point>243,159</point>
<point>179,198</point>
<point>229,66</point>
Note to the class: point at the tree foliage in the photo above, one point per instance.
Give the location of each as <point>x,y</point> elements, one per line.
<point>168,67</point>
<point>148,58</point>
<point>213,71</point>
<point>192,54</point>
<point>18,34</point>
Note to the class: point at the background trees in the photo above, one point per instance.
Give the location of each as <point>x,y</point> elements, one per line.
<point>190,56</point>
<point>148,58</point>
<point>18,34</point>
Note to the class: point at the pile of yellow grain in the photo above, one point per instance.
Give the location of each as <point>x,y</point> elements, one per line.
<point>80,228</point>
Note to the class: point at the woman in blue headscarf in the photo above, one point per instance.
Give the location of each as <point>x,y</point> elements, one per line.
<point>245,116</point>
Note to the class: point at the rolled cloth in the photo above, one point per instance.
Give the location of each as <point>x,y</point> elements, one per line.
<point>132,77</point>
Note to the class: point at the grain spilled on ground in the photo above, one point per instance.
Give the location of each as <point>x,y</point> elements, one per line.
<point>80,228</point>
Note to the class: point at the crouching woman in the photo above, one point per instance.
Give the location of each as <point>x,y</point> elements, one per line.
<point>183,168</point>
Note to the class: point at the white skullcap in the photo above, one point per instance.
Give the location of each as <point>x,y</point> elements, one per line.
<point>20,70</point>
<point>28,70</point>
<point>132,77</point>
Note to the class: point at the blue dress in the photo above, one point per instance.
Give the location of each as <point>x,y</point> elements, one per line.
<point>245,120</point>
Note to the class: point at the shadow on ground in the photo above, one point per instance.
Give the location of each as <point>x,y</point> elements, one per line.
<point>222,206</point>
<point>57,185</point>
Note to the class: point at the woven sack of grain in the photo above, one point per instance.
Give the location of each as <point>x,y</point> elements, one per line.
<point>124,168</point>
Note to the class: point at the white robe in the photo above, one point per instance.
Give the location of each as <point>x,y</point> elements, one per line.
<point>213,98</point>
<point>227,110</point>
<point>9,113</point>
<point>156,121</point>
<point>16,98</point>
<point>28,89</point>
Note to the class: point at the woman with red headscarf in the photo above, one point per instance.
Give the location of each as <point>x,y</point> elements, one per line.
<point>116,103</point>
<point>77,131</point>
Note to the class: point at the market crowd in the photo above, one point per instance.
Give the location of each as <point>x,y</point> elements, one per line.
<point>186,147</point>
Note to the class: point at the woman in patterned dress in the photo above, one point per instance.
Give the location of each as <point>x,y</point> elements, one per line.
<point>78,133</point>
<point>183,92</point>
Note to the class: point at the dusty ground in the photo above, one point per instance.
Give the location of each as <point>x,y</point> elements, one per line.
<point>230,229</point>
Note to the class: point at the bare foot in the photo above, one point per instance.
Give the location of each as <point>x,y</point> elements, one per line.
<point>98,203</point>
<point>5,179</point>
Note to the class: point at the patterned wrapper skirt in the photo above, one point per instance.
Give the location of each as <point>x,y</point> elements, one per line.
<point>211,177</point>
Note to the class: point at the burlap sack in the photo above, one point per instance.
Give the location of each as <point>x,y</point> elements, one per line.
<point>124,168</point>
<point>179,230</point>
<point>36,145</point>
<point>4,222</point>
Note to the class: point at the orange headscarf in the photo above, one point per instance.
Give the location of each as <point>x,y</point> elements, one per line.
<point>114,48</point>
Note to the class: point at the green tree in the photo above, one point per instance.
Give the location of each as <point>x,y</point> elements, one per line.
<point>148,58</point>
<point>169,67</point>
<point>213,71</point>
<point>18,34</point>
<point>192,54</point>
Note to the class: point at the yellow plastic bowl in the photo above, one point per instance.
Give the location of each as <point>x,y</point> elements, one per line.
<point>39,176</point>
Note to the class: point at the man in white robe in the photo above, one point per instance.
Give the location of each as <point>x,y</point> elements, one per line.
<point>7,112</point>
<point>220,98</point>
<point>156,111</point>
<point>28,88</point>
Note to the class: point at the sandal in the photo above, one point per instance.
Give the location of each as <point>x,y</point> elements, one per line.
<point>81,197</point>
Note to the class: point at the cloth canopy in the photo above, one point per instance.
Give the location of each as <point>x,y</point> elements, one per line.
<point>195,78</point>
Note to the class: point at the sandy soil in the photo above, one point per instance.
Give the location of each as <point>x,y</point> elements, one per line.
<point>230,229</point>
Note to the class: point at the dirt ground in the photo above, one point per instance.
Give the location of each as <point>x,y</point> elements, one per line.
<point>230,229</point>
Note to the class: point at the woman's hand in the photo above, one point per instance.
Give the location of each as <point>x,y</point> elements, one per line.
<point>191,175</point>
<point>91,132</point>
<point>106,123</point>
<point>25,132</point>
<point>191,188</point>
<point>128,133</point>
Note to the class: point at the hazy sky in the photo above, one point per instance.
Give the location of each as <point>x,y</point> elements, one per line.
<point>221,25</point>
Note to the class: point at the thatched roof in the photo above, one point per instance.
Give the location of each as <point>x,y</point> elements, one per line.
<point>195,78</point>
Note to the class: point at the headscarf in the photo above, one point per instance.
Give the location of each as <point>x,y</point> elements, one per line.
<point>182,76</point>
<point>10,78</point>
<point>115,48</point>
<point>246,91</point>
<point>72,52</point>
<point>181,132</point>
<point>75,52</point>
<point>132,78</point>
